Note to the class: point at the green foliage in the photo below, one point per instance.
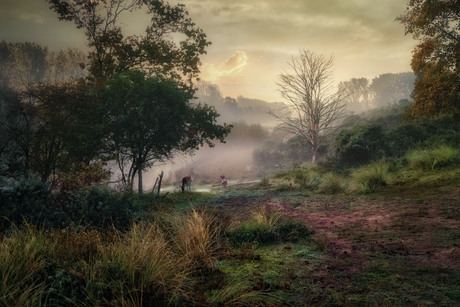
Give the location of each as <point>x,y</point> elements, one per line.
<point>99,207</point>
<point>26,199</point>
<point>363,144</point>
<point>360,145</point>
<point>170,46</point>
<point>372,177</point>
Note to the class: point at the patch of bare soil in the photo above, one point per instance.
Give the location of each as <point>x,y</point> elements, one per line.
<point>420,227</point>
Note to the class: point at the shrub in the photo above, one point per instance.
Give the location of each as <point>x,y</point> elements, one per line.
<point>370,178</point>
<point>26,200</point>
<point>99,207</point>
<point>359,145</point>
<point>85,176</point>
<point>404,138</point>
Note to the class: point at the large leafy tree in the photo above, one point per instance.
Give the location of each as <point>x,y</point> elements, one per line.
<point>436,59</point>
<point>171,47</point>
<point>147,81</point>
<point>151,118</point>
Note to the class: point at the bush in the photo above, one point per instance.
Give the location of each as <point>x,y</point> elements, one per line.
<point>404,138</point>
<point>99,207</point>
<point>359,145</point>
<point>26,200</point>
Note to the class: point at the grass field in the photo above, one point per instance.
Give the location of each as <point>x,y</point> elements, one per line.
<point>383,235</point>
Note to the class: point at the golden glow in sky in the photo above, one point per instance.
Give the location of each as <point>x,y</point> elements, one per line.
<point>252,41</point>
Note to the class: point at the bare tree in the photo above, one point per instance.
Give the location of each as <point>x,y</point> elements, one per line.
<point>313,103</point>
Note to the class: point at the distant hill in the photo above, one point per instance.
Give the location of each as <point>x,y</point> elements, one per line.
<point>251,111</point>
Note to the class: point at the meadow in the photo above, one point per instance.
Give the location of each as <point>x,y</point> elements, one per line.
<point>385,233</point>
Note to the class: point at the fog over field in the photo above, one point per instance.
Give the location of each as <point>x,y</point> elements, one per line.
<point>255,130</point>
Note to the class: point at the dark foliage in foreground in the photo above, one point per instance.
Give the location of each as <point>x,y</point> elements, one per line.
<point>96,207</point>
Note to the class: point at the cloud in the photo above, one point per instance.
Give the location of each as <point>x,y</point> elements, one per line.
<point>232,64</point>
<point>236,61</point>
<point>33,17</point>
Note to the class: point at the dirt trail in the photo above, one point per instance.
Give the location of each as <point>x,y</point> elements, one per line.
<point>419,228</point>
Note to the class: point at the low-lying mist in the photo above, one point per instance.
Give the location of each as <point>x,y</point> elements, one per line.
<point>233,159</point>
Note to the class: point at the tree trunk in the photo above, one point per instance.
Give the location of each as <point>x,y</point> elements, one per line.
<point>139,177</point>
<point>159,183</point>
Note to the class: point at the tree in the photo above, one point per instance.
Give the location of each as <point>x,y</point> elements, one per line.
<point>151,118</point>
<point>358,93</point>
<point>313,105</point>
<point>44,112</point>
<point>436,59</point>
<point>171,47</point>
<point>68,131</point>
<point>147,81</point>
<point>390,88</point>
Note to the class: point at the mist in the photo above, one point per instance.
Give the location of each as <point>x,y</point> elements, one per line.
<point>255,148</point>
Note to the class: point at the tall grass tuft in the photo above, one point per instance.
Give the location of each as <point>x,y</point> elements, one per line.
<point>420,159</point>
<point>22,264</point>
<point>302,177</point>
<point>427,159</point>
<point>371,177</point>
<point>197,238</point>
<point>271,220</point>
<point>445,156</point>
<point>139,269</point>
<point>332,184</point>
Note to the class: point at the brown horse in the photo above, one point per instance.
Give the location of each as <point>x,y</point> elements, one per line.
<point>186,181</point>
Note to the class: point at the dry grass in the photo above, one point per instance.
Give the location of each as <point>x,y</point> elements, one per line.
<point>197,238</point>
<point>22,260</point>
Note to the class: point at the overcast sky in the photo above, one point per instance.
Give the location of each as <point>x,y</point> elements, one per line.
<point>253,40</point>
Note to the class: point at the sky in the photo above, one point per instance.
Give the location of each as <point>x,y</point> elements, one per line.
<point>253,41</point>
